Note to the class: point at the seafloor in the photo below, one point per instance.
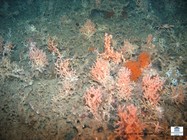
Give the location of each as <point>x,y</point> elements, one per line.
<point>39,102</point>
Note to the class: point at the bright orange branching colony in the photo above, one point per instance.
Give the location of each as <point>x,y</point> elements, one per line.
<point>144,59</point>
<point>136,66</point>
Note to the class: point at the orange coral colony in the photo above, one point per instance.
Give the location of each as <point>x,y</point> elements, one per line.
<point>134,66</point>
<point>144,59</point>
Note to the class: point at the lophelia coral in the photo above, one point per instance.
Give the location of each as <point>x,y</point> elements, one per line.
<point>52,46</point>
<point>109,53</point>
<point>129,125</point>
<point>178,94</point>
<point>124,83</point>
<point>64,70</point>
<point>88,29</point>
<point>151,85</point>
<point>93,98</point>
<point>149,41</point>
<point>128,48</point>
<point>38,58</point>
<point>100,72</point>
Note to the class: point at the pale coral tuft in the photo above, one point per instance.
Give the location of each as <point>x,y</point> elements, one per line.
<point>88,29</point>
<point>93,98</point>
<point>64,70</point>
<point>38,58</point>
<point>52,46</point>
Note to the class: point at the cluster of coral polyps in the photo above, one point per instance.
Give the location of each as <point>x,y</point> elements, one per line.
<point>64,71</point>
<point>52,46</point>
<point>116,80</point>
<point>38,57</point>
<point>88,29</point>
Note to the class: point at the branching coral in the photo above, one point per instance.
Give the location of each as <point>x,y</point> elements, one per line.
<point>52,46</point>
<point>64,70</point>
<point>124,83</point>
<point>178,95</point>
<point>100,72</point>
<point>93,98</point>
<point>151,85</point>
<point>129,126</point>
<point>38,58</point>
<point>128,49</point>
<point>11,69</point>
<point>88,29</point>
<point>109,53</point>
<point>62,67</point>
